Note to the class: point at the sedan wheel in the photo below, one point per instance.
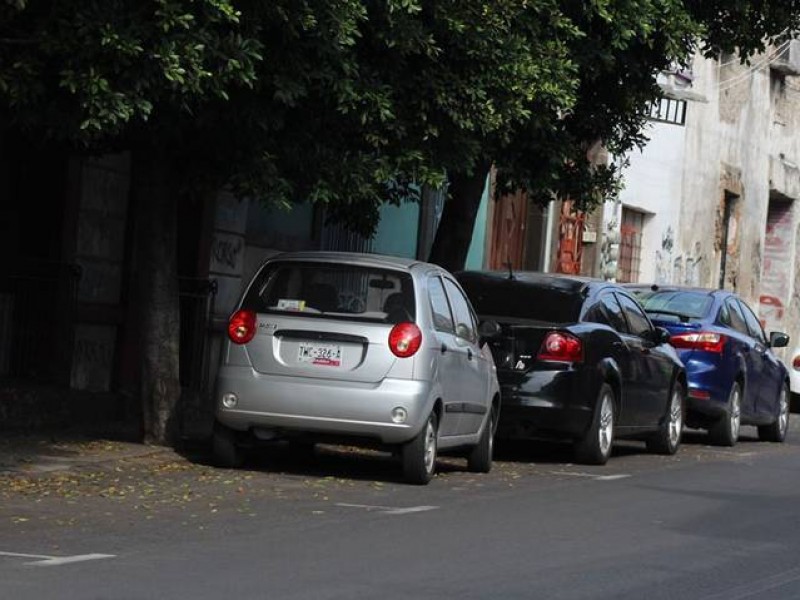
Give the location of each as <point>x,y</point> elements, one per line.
<point>595,447</point>
<point>668,438</point>
<point>725,432</point>
<point>776,432</point>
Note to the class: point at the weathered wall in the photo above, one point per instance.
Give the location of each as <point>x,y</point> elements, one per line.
<point>653,185</point>
<point>727,153</point>
<point>99,251</point>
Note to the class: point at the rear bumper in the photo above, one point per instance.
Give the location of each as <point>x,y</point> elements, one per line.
<point>707,396</point>
<point>322,406</point>
<point>544,403</point>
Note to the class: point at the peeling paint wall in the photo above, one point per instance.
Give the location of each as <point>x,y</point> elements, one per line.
<point>721,193</point>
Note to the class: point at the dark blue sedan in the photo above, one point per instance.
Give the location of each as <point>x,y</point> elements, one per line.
<point>733,376</point>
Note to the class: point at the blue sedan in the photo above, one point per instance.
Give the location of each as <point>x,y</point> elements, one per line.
<point>733,376</point>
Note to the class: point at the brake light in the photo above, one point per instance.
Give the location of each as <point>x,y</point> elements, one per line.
<point>405,339</point>
<point>796,363</point>
<point>561,347</point>
<point>242,326</point>
<point>704,341</point>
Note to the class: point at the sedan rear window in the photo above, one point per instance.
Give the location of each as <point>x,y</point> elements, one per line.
<point>519,300</point>
<point>680,306</point>
<point>333,291</point>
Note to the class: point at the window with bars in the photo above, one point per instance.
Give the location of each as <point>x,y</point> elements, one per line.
<point>668,110</point>
<point>630,247</point>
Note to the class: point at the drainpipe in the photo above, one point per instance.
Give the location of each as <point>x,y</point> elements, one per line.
<point>548,237</point>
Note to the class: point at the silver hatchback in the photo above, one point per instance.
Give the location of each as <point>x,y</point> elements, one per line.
<point>362,349</point>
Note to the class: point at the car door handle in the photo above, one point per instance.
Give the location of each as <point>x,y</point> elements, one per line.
<point>469,353</point>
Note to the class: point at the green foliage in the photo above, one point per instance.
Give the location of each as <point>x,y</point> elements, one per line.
<point>87,70</point>
<point>328,100</point>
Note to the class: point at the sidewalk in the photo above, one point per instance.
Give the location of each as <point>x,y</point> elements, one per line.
<point>33,455</point>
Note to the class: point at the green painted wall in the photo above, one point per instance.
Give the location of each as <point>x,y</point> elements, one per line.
<point>397,230</point>
<point>477,249</point>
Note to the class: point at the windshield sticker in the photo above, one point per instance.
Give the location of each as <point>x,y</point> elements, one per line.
<point>292,305</point>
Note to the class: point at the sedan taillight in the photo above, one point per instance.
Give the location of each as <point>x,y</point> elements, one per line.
<point>796,363</point>
<point>704,341</point>
<point>560,346</point>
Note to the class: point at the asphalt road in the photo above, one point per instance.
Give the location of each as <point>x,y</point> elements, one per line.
<point>709,523</point>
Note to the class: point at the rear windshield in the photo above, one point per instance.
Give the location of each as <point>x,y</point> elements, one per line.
<point>333,291</point>
<point>678,306</point>
<point>514,300</point>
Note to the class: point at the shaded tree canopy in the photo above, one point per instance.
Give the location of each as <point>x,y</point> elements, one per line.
<point>327,100</point>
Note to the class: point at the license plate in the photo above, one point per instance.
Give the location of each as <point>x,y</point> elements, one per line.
<point>325,355</point>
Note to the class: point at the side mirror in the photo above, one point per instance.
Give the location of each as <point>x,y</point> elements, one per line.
<point>489,330</point>
<point>778,339</point>
<point>662,335</point>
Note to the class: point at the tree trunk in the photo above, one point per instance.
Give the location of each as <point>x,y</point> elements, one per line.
<point>454,235</point>
<point>156,285</point>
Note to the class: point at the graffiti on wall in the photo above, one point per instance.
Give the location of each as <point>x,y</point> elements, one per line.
<point>664,260</point>
<point>609,249</point>
<point>775,276</point>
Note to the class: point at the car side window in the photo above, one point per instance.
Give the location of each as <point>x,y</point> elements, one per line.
<point>737,321</point>
<point>440,308</point>
<point>753,324</point>
<point>614,313</point>
<point>596,314</point>
<point>638,321</point>
<point>465,324</point>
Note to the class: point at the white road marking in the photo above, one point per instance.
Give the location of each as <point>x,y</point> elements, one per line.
<point>592,475</point>
<point>612,477</point>
<point>52,561</point>
<point>388,510</point>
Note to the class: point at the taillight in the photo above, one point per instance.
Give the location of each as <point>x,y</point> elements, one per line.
<point>405,339</point>
<point>242,326</point>
<point>704,341</point>
<point>796,363</point>
<point>561,347</point>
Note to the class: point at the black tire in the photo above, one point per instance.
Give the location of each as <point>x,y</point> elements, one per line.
<point>225,449</point>
<point>668,438</point>
<point>725,432</point>
<point>776,431</point>
<point>595,447</point>
<point>419,455</point>
<point>480,458</point>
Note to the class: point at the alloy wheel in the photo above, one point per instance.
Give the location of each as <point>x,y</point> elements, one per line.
<point>606,429</point>
<point>430,446</point>
<point>675,419</point>
<point>736,413</point>
<point>783,415</point>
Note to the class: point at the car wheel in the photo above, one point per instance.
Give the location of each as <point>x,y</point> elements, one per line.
<point>776,432</point>
<point>595,447</point>
<point>419,455</point>
<point>226,452</point>
<point>480,458</point>
<point>668,438</point>
<point>725,432</point>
